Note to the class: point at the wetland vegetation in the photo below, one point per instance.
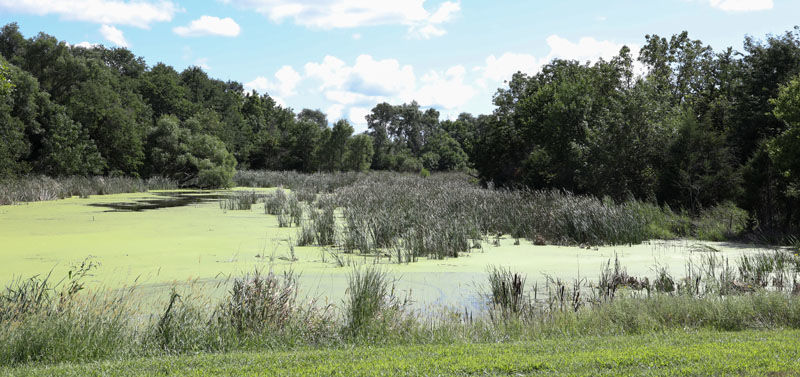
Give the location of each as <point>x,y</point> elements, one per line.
<point>594,203</point>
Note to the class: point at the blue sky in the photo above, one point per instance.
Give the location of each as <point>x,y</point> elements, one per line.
<point>344,56</point>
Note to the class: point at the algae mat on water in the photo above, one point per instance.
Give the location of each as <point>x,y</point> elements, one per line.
<point>159,238</point>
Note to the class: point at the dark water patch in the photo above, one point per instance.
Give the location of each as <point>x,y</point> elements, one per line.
<point>170,199</point>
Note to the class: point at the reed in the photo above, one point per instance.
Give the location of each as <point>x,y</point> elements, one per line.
<point>40,188</point>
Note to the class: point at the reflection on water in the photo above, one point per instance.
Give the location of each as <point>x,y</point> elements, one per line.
<point>168,200</point>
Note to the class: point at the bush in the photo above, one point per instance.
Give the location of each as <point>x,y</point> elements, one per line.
<point>721,222</point>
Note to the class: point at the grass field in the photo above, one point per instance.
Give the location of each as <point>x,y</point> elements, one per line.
<point>674,353</point>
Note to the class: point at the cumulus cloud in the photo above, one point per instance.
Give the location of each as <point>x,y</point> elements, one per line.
<point>358,117</point>
<point>448,90</point>
<point>208,25</point>
<point>334,112</point>
<point>585,49</point>
<point>742,5</point>
<point>352,89</point>
<point>284,84</point>
<point>113,35</point>
<point>111,12</point>
<point>501,68</point>
<point>333,14</point>
<point>86,45</point>
<point>431,27</point>
<point>367,76</point>
<point>355,89</point>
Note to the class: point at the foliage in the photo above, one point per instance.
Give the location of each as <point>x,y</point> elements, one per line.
<point>785,148</point>
<point>694,128</point>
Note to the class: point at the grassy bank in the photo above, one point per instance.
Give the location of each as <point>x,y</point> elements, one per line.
<point>42,322</point>
<point>671,353</point>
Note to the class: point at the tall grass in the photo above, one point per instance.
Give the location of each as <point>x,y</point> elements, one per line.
<point>444,215</point>
<point>40,188</point>
<point>46,321</point>
<point>42,321</point>
<point>240,201</point>
<point>310,183</point>
<point>408,217</point>
<point>372,308</point>
<point>258,302</point>
<point>507,290</point>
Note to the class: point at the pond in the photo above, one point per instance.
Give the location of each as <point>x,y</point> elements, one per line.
<point>159,239</point>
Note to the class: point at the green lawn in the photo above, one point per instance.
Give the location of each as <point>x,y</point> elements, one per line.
<point>747,353</point>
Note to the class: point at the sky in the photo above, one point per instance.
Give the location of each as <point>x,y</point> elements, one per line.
<point>345,56</point>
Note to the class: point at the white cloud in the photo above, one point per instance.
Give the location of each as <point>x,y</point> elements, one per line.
<point>114,12</point>
<point>380,77</point>
<point>448,90</point>
<point>208,25</point>
<point>202,63</point>
<point>286,79</point>
<point>86,45</point>
<point>742,5</point>
<point>367,76</point>
<point>332,72</point>
<point>499,69</point>
<point>354,89</point>
<point>350,98</point>
<point>351,90</point>
<point>445,12</point>
<point>430,28</point>
<point>357,116</point>
<point>428,31</point>
<point>330,14</point>
<point>113,35</point>
<point>357,36</point>
<point>334,112</point>
<point>585,49</point>
<point>260,84</point>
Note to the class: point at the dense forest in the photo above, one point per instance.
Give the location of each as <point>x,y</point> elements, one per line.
<point>685,126</point>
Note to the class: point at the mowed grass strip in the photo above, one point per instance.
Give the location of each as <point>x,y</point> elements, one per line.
<point>676,353</point>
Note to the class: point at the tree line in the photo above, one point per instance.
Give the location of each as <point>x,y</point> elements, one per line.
<point>682,125</point>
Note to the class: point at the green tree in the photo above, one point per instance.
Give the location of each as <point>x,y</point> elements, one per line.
<point>197,160</point>
<point>314,116</point>
<point>332,152</point>
<point>358,153</point>
<point>304,143</point>
<point>5,81</point>
<point>66,148</point>
<point>785,148</point>
<point>14,146</point>
<point>378,121</point>
<point>161,88</point>
<point>444,153</point>
<point>699,170</point>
